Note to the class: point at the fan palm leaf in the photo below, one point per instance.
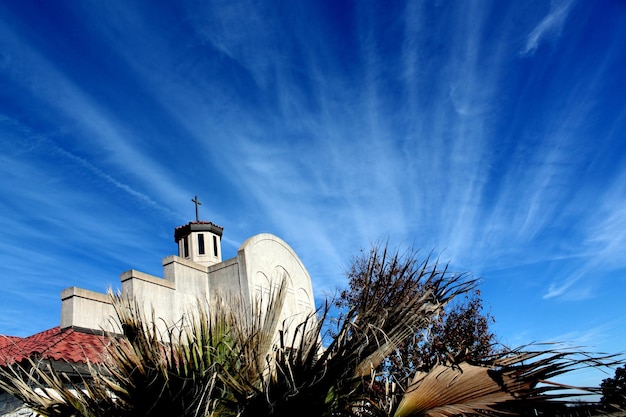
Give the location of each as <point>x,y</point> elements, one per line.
<point>234,357</point>
<point>514,380</point>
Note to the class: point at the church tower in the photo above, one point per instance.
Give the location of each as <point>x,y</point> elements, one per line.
<point>199,241</point>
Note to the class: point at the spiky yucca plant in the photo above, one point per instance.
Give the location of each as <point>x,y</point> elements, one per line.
<point>193,368</point>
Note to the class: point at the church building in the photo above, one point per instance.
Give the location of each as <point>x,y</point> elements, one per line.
<point>196,273</point>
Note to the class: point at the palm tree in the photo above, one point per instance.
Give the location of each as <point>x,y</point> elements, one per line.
<point>231,358</point>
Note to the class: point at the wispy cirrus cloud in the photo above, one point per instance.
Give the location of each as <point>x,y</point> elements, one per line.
<point>601,251</point>
<point>550,25</point>
<point>331,124</point>
<point>94,128</point>
<point>606,234</point>
<point>22,140</point>
<point>569,288</point>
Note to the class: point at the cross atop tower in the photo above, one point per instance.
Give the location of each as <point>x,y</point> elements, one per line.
<point>198,203</point>
<point>198,241</point>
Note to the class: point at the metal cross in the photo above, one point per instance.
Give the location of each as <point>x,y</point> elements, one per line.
<point>198,203</point>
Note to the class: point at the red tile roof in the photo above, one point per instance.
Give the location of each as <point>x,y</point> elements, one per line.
<point>69,345</point>
<point>7,340</point>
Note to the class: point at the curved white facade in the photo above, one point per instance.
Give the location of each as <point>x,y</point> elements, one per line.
<point>261,263</point>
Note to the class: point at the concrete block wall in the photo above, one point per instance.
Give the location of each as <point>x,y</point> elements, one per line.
<point>86,309</point>
<point>262,262</point>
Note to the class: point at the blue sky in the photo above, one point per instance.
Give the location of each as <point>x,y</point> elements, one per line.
<point>489,132</point>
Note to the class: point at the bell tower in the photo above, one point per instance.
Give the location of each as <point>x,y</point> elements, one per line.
<point>199,241</point>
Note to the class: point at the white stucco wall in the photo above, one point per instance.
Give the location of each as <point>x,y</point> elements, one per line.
<point>86,309</point>
<point>267,260</point>
<point>261,261</point>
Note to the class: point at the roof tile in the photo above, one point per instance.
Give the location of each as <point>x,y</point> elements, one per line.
<point>69,345</point>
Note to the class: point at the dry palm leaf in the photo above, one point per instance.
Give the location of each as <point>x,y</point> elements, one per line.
<point>452,390</point>
<point>516,378</point>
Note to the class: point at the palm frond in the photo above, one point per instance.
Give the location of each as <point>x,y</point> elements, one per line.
<point>515,379</point>
<point>231,356</point>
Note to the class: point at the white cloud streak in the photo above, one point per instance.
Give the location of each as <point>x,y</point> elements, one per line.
<point>549,27</point>
<point>93,124</point>
<point>424,127</point>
